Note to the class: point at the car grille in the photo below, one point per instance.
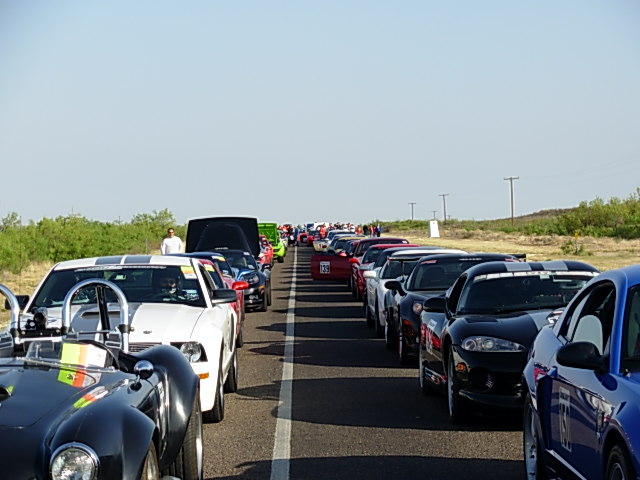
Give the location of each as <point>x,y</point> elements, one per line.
<point>139,347</point>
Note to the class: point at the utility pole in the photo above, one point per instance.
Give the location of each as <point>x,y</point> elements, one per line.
<point>434,214</point>
<point>444,205</point>
<point>510,180</point>
<point>412,204</point>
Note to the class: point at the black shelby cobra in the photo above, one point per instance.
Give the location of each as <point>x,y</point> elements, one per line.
<point>73,407</point>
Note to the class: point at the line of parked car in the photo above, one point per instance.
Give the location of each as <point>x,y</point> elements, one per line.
<point>110,367</point>
<point>557,340</point>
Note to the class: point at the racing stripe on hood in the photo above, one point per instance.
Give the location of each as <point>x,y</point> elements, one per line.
<point>137,259</point>
<point>109,260</point>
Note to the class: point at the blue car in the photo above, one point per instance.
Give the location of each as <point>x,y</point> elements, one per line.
<point>582,383</point>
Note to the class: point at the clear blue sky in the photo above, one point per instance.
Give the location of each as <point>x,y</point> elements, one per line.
<point>296,111</point>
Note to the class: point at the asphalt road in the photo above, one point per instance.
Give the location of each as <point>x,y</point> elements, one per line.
<point>355,413</point>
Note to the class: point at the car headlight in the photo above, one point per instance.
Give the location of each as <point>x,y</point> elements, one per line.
<point>417,308</point>
<point>482,343</point>
<point>74,461</point>
<point>192,351</point>
<point>251,278</point>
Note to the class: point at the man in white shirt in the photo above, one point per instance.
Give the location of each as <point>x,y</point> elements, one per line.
<point>171,244</point>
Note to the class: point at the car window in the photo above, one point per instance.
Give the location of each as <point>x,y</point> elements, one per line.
<point>519,291</point>
<point>591,320</point>
<point>139,284</point>
<point>631,329</point>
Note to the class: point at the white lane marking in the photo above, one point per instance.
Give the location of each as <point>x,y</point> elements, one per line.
<point>282,441</point>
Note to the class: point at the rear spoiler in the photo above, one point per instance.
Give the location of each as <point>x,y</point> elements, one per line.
<point>521,256</point>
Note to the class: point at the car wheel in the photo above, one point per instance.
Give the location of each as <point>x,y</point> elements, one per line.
<point>216,414</point>
<point>404,358</point>
<point>269,295</point>
<point>533,466</point>
<point>150,468</point>
<point>240,337</point>
<point>390,334</point>
<point>264,303</point>
<point>350,284</point>
<point>189,463</point>
<point>280,259</point>
<point>425,388</point>
<point>618,465</point>
<point>231,384</point>
<point>379,326</point>
<point>458,408</point>
<point>368,316</point>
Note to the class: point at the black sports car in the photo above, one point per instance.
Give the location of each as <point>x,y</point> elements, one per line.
<point>76,408</point>
<point>432,276</point>
<point>475,339</point>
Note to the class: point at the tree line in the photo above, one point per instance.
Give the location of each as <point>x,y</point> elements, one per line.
<point>74,236</point>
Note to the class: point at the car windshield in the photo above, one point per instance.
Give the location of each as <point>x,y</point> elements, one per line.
<point>72,357</point>
<point>520,291</point>
<point>240,260</point>
<point>148,283</point>
<point>439,274</point>
<point>397,268</point>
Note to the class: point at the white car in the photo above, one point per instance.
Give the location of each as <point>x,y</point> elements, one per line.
<point>397,266</point>
<point>172,300</point>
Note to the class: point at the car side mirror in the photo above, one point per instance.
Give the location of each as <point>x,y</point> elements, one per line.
<point>435,304</point>
<point>584,355</point>
<point>395,286</point>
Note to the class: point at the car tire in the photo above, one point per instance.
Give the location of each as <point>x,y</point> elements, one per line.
<point>425,387</point>
<point>189,463</point>
<point>280,259</point>
<point>240,337</point>
<point>390,334</point>
<point>216,414</point>
<point>368,316</point>
<point>533,465</point>
<point>269,294</point>
<point>618,465</point>
<point>264,304</point>
<point>379,326</point>
<point>231,383</point>
<point>458,407</point>
<point>404,358</point>
<point>150,468</point>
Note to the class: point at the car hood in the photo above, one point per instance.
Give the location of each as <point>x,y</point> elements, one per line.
<point>204,234</point>
<point>151,322</point>
<point>520,327</point>
<point>67,390</point>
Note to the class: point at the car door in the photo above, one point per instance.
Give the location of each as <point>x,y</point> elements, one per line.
<point>578,397</point>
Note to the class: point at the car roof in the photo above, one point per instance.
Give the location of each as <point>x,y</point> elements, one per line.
<point>419,252</point>
<point>123,260</point>
<point>435,258</point>
<point>554,265</point>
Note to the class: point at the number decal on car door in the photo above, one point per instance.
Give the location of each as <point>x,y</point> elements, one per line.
<point>564,407</point>
<point>325,268</point>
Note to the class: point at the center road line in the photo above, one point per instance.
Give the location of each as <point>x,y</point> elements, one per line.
<point>282,442</point>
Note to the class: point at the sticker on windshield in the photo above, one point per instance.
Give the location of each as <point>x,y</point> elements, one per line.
<point>188,272</point>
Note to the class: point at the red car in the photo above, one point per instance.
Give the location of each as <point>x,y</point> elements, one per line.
<point>266,250</point>
<point>356,282</point>
<point>332,265</point>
